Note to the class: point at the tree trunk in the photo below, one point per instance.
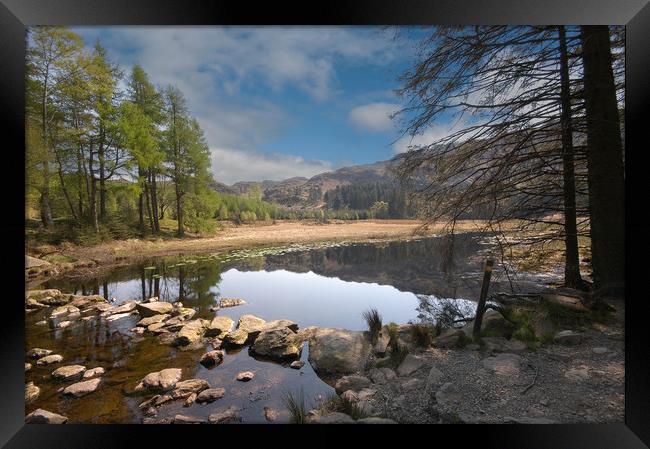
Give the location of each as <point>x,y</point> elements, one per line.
<point>102,174</point>
<point>64,189</point>
<point>604,162</point>
<point>148,204</point>
<point>141,205</point>
<point>92,193</point>
<point>179,211</point>
<point>154,201</point>
<point>80,199</point>
<point>572,259</point>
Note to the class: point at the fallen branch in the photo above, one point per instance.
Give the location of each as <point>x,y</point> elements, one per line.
<point>534,379</point>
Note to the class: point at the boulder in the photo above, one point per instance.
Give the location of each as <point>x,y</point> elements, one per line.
<point>351,383</point>
<point>231,302</point>
<point>137,330</point>
<point>157,328</point>
<point>451,338</point>
<point>94,372</point>
<point>434,379</point>
<point>160,380</point>
<point>118,316</point>
<point>567,338</point>
<point>83,388</point>
<point>381,375</point>
<point>228,416</point>
<point>500,344</point>
<point>145,322</point>
<point>33,262</point>
<point>126,307</point>
<point>37,353</point>
<point>49,359</point>
<point>69,372</point>
<point>211,358</point>
<point>271,414</point>
<point>88,301</point>
<point>31,392</point>
<point>48,297</point>
<point>40,416</point>
<point>577,374</point>
<point>411,384</point>
<point>245,376</point>
<point>493,325</point>
<point>210,395</point>
<point>279,343</point>
<point>383,338</point>
<point>192,332</point>
<point>409,365</point>
<point>155,401</point>
<point>338,351</point>
<point>250,323</point>
<point>183,313</point>
<point>505,364</point>
<point>154,308</point>
<point>187,387</point>
<point>190,400</point>
<point>219,326</point>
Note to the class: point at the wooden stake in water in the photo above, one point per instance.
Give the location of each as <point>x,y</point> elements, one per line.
<point>480,308</point>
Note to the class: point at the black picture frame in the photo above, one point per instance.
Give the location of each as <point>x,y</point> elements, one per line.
<point>15,15</point>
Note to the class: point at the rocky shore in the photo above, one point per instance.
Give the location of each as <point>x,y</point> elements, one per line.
<point>566,375</point>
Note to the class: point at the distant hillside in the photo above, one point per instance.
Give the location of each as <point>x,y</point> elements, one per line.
<point>300,193</point>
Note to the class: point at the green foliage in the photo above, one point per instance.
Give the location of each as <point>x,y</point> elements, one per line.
<point>296,407</point>
<point>522,319</point>
<point>373,320</point>
<point>563,316</point>
<point>396,356</point>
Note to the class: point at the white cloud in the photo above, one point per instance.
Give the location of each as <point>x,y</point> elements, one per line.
<point>432,134</point>
<point>232,165</point>
<point>374,116</point>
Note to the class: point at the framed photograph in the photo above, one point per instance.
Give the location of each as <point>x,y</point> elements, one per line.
<point>415,214</point>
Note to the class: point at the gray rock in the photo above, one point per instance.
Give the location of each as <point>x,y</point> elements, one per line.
<point>338,351</point>
<point>40,416</point>
<point>69,372</point>
<point>50,359</point>
<point>503,364</point>
<point>526,420</point>
<point>600,350</point>
<point>118,316</point>
<point>381,375</point>
<point>126,307</point>
<point>33,262</point>
<point>237,337</point>
<point>211,358</point>
<point>94,372</point>
<point>68,311</point>
<point>270,414</point>
<point>567,338</point>
<point>451,338</point>
<point>577,374</point>
<point>31,392</point>
<point>279,343</point>
<point>383,338</point>
<point>411,384</point>
<point>190,400</point>
<point>210,395</point>
<point>83,388</point>
<point>500,344</point>
<point>352,383</point>
<point>155,401</point>
<point>154,308</point>
<point>411,364</point>
<point>434,379</point>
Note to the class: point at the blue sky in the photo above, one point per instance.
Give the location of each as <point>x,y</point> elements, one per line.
<point>277,102</point>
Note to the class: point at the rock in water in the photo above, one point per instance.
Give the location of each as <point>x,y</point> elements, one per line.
<point>186,387</point>
<point>192,332</point>
<point>80,389</point>
<point>94,372</point>
<point>228,416</point>
<point>245,376</point>
<point>270,414</point>
<point>210,395</point>
<point>337,351</point>
<point>68,372</point>
<point>160,380</point>
<point>145,322</point>
<point>68,311</point>
<point>28,366</point>
<point>219,326</point>
<point>50,359</point>
<point>297,364</point>
<point>236,338</point>
<point>190,400</point>
<point>31,392</point>
<point>40,416</point>
<point>231,302</point>
<point>212,358</point>
<point>154,308</point>
<point>184,419</point>
<point>281,343</point>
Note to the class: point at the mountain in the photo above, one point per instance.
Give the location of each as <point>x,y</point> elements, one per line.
<point>300,192</point>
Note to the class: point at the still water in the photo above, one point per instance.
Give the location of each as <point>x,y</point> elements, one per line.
<point>319,285</point>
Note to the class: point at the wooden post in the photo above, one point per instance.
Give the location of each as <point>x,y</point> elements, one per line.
<point>480,308</point>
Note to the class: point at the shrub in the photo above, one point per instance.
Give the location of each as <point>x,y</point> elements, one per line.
<point>373,320</point>
<point>296,407</point>
<point>422,334</point>
<point>396,356</point>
